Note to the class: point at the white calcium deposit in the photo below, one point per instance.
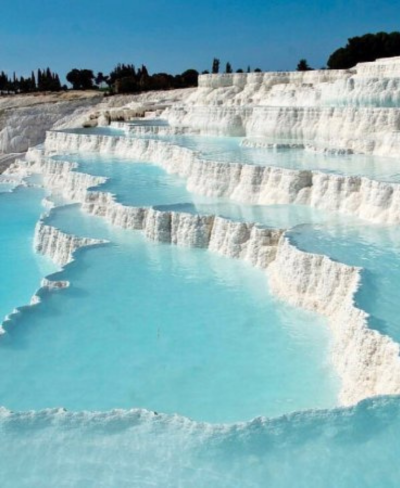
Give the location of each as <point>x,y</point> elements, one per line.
<point>358,196</point>
<point>57,245</point>
<point>339,112</point>
<point>24,119</point>
<point>367,362</point>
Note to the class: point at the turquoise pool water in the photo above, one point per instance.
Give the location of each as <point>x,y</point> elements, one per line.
<point>146,325</point>
<point>21,268</point>
<point>98,131</point>
<point>134,183</point>
<point>356,448</point>
<point>6,187</point>
<point>374,248</point>
<point>183,332</point>
<point>228,149</point>
<point>144,184</point>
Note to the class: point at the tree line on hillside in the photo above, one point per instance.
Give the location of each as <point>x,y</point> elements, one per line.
<point>361,49</point>
<point>216,64</point>
<point>302,66</point>
<point>125,78</point>
<point>369,47</point>
<point>42,80</point>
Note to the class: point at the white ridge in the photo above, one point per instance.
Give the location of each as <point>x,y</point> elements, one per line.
<point>368,362</point>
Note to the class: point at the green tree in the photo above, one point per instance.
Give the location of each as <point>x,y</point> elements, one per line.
<point>215,66</point>
<point>368,47</point>
<point>33,81</point>
<point>228,68</point>
<point>87,78</point>
<point>3,82</point>
<point>80,79</point>
<point>190,78</point>
<point>144,78</point>
<point>122,71</point>
<point>303,65</point>
<point>46,81</point>
<point>100,79</point>
<point>73,77</point>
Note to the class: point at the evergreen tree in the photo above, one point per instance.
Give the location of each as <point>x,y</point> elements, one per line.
<point>3,82</point>
<point>33,81</point>
<point>144,79</point>
<point>215,66</point>
<point>15,83</point>
<point>122,71</point>
<point>46,81</point>
<point>56,82</point>
<point>303,65</point>
<point>228,68</point>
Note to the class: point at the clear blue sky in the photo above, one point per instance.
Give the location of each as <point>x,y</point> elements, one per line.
<point>173,35</point>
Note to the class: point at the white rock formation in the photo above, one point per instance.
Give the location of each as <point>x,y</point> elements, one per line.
<point>352,111</point>
<point>368,363</point>
<point>365,130</point>
<point>58,246</point>
<point>25,119</point>
<point>338,110</point>
<point>371,200</point>
<point>260,143</point>
<point>152,130</point>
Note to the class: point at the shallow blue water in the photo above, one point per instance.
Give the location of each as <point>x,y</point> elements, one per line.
<point>228,149</point>
<point>374,248</point>
<point>173,330</point>
<point>144,184</point>
<point>21,268</point>
<point>135,183</point>
<point>6,187</point>
<point>146,325</point>
<point>98,131</point>
<point>356,448</point>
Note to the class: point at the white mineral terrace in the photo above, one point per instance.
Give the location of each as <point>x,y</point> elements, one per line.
<point>295,106</point>
<point>367,362</point>
<point>371,200</point>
